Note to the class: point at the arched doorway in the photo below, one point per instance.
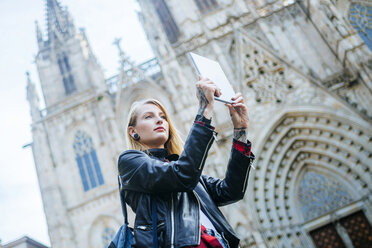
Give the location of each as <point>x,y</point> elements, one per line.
<point>306,156</point>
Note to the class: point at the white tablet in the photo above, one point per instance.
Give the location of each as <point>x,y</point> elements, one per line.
<point>208,68</point>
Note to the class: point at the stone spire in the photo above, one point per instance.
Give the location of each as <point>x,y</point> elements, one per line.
<point>65,61</point>
<point>59,21</point>
<point>32,98</point>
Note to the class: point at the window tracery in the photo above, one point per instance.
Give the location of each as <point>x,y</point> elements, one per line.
<point>87,161</point>
<point>319,194</point>
<point>65,70</point>
<point>360,17</point>
<point>167,20</point>
<point>206,6</point>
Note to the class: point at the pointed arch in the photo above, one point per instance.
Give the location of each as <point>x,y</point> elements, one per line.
<point>334,147</point>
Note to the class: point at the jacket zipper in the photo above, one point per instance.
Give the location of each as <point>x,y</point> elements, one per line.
<point>226,242</point>
<point>145,228</point>
<point>246,178</point>
<point>172,220</point>
<point>205,152</point>
<point>199,236</point>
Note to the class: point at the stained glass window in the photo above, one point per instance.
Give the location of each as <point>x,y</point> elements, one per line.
<point>360,17</point>
<point>65,70</point>
<point>87,161</point>
<point>107,236</point>
<point>319,194</point>
<point>206,6</point>
<point>167,20</point>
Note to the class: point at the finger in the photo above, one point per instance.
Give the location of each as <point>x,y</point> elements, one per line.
<point>236,96</point>
<point>218,92</point>
<point>199,77</point>
<point>239,100</point>
<point>207,82</point>
<point>210,87</point>
<point>239,105</point>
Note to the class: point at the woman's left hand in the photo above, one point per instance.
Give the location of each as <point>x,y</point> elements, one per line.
<point>238,112</point>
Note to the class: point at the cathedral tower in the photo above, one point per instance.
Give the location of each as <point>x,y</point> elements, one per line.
<point>75,138</point>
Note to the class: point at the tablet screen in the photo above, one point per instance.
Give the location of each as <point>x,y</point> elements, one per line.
<point>211,69</point>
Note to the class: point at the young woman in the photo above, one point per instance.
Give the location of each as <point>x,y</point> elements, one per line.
<point>159,168</point>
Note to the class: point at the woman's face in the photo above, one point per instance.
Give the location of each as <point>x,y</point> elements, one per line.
<point>151,126</point>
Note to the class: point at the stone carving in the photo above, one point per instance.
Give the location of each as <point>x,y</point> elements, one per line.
<point>357,97</point>
<point>299,142</point>
<point>264,74</point>
<point>338,25</point>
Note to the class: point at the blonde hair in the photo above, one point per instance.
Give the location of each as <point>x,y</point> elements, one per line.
<point>174,144</point>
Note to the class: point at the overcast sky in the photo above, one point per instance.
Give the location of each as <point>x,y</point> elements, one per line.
<point>21,210</point>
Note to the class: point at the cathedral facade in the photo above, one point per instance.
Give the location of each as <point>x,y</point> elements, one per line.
<point>305,70</point>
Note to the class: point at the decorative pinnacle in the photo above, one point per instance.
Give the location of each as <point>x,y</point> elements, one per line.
<point>123,58</point>
<point>28,77</point>
<point>39,35</point>
<point>59,21</point>
<point>30,86</point>
<point>117,43</point>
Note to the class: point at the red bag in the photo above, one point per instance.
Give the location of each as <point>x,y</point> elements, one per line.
<point>207,241</point>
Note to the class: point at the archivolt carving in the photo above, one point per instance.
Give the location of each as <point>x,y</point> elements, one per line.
<point>326,144</point>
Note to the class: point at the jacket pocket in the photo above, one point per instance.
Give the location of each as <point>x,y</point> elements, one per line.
<point>143,235</point>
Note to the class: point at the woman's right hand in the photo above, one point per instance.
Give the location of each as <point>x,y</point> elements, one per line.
<point>205,92</point>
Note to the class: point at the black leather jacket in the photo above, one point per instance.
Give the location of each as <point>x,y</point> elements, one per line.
<point>180,190</point>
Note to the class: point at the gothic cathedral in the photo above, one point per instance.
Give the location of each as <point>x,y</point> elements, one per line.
<point>305,70</point>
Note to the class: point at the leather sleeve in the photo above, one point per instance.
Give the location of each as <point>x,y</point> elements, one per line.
<point>232,188</point>
<point>141,173</point>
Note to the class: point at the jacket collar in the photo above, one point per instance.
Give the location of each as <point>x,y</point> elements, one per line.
<point>158,152</point>
<point>161,153</point>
